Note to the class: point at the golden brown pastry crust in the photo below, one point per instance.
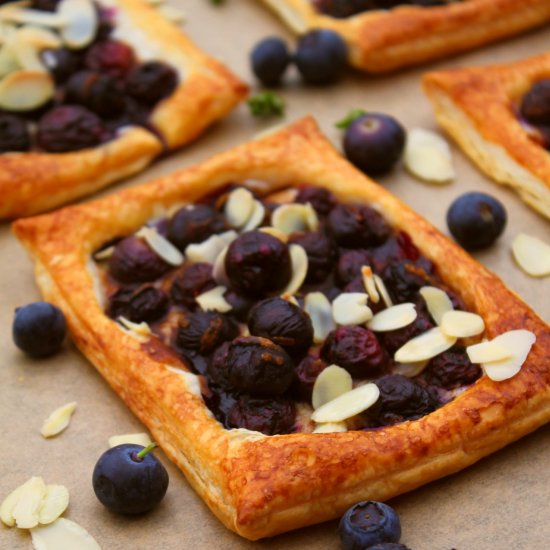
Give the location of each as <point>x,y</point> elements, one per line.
<point>34,182</point>
<point>381,41</point>
<point>263,485</point>
<point>478,108</point>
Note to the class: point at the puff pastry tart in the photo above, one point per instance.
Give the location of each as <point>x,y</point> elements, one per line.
<point>500,117</point>
<point>91,92</point>
<point>384,35</point>
<point>293,349</point>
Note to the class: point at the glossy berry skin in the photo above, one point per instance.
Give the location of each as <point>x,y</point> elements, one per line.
<point>126,484</point>
<point>39,329</point>
<point>194,225</point>
<point>110,57</point>
<point>307,371</point>
<point>98,92</point>
<point>269,60</point>
<point>535,106</point>
<point>476,220</point>
<point>144,305</point>
<point>61,63</point>
<point>204,331</point>
<point>320,251</point>
<point>14,134</point>
<point>368,523</point>
<point>151,81</point>
<point>321,56</point>
<point>191,281</point>
<point>389,546</point>
<point>322,200</point>
<point>405,278</point>
<point>374,143</point>
<point>451,369</point>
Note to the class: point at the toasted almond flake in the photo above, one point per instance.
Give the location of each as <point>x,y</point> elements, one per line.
<point>58,420</point>
<point>104,254</point>
<point>207,251</point>
<point>383,291</point>
<point>228,236</point>
<point>192,381</point>
<point>393,318</point>
<point>437,302</point>
<point>162,246</point>
<point>239,207</point>
<point>8,505</point>
<point>141,438</point>
<point>532,255</point>
<point>462,324</point>
<point>290,298</point>
<point>370,284</point>
<point>288,194</point>
<point>330,427</point>
<point>39,37</point>
<point>8,61</point>
<point>218,271</point>
<point>140,331</point>
<point>428,156</point>
<point>25,90</point>
<point>485,352</point>
<point>291,218</point>
<point>213,300</point>
<point>299,262</point>
<point>519,343</point>
<point>26,509</point>
<point>350,308</point>
<point>410,370</point>
<point>332,382</point>
<point>348,404</point>
<point>62,534</point>
<point>82,22</point>
<point>26,54</point>
<point>427,345</point>
<point>54,504</point>
<point>256,217</point>
<point>15,14</point>
<point>277,233</point>
<point>319,309</point>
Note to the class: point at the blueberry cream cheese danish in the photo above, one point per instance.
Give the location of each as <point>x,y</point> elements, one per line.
<point>385,35</point>
<point>294,337</point>
<point>91,92</point>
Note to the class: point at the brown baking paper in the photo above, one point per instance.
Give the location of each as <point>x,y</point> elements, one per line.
<point>501,502</point>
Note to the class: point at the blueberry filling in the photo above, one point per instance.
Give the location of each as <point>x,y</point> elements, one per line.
<point>346,8</point>
<point>254,347</point>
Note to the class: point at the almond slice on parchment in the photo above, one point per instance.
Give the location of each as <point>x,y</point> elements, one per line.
<point>54,504</point>
<point>141,438</point>
<point>58,420</point>
<point>62,534</point>
<point>532,255</point>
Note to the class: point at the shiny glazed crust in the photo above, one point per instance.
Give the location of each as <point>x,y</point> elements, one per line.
<point>34,182</point>
<point>262,485</point>
<point>478,108</point>
<point>381,41</point>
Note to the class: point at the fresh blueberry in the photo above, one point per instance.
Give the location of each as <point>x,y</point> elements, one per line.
<point>321,56</point>
<point>128,479</point>
<point>535,105</point>
<point>269,60</point>
<point>374,143</point>
<point>39,329</point>
<point>388,546</point>
<point>368,523</point>
<point>476,220</point>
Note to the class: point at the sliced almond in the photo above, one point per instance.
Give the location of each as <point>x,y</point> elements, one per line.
<point>25,90</point>
<point>425,346</point>
<point>274,233</point>
<point>207,251</point>
<point>15,14</point>
<point>299,262</point>
<point>256,217</point>
<point>54,504</point>
<point>332,382</point>
<point>58,420</point>
<point>213,300</point>
<point>485,352</point>
<point>239,207</point>
<point>370,284</point>
<point>290,298</point>
<point>350,308</point>
<point>39,37</point>
<point>383,291</point>
<point>428,156</point>
<point>319,309</point>
<point>8,61</point>
<point>462,324</point>
<point>8,505</point>
<point>162,246</point>
<point>140,331</point>
<point>141,438</point>
<point>295,217</point>
<point>532,255</point>
<point>330,427</point>
<point>82,21</point>
<point>410,370</point>
<point>519,343</point>
<point>26,510</point>
<point>393,318</point>
<point>62,534</point>
<point>437,302</point>
<point>348,404</point>
<point>104,254</point>
<point>218,271</point>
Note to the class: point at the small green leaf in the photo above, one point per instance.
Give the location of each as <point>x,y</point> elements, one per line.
<point>351,117</point>
<point>217,2</point>
<point>266,104</point>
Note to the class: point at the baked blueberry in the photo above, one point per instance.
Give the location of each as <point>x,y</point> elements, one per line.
<point>348,267</point>
<point>191,281</point>
<point>194,224</point>
<point>343,8</point>
<point>257,263</point>
<point>356,225</point>
<point>151,81</point>
<point>39,329</point>
<point>368,523</point>
<point>204,331</point>
<point>240,305</point>
<point>389,546</point>
<point>321,56</point>
<point>357,350</point>
<point>476,220</point>
<point>392,340</point>
<point>282,322</point>
<point>147,304</point>
<point>98,92</point>
<point>535,105</point>
<point>269,60</point>
<point>322,200</point>
<point>128,479</point>
<point>320,251</point>
<point>110,57</point>
<point>451,369</point>
<point>14,134</point>
<point>69,128</point>
<point>374,143</point>
<point>404,278</point>
<point>307,371</point>
<point>61,63</point>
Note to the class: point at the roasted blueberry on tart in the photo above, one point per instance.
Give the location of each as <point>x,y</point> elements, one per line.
<point>285,304</point>
<point>346,8</point>
<point>535,110</point>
